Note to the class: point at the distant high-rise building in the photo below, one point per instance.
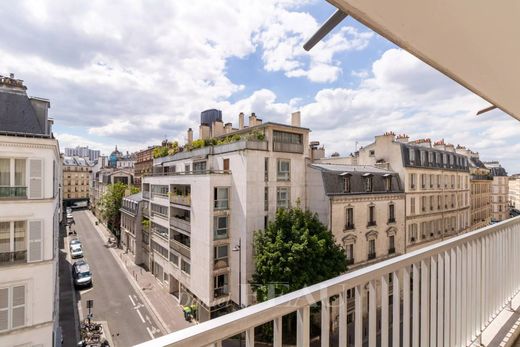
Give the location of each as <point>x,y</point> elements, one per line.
<point>210,116</point>
<point>83,152</point>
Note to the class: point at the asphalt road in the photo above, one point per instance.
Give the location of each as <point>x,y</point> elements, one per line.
<point>115,300</point>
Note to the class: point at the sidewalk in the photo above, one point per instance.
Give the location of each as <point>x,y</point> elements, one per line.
<point>164,305</point>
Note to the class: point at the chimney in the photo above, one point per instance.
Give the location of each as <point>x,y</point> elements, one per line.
<point>296,119</point>
<point>252,120</point>
<point>190,136</point>
<point>241,121</point>
<point>204,131</point>
<point>403,138</point>
<point>217,129</point>
<point>228,128</point>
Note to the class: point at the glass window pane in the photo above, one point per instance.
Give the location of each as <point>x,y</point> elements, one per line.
<point>5,172</point>
<point>5,236</point>
<point>19,172</point>
<point>19,236</point>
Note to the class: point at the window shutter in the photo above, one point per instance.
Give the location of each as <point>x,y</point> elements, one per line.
<point>4,308</point>
<point>18,306</point>
<point>35,240</point>
<point>35,179</point>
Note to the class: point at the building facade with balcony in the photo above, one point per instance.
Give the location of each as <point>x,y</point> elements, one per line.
<point>206,202</point>
<point>363,207</point>
<point>499,192</point>
<point>514,191</point>
<point>76,177</point>
<point>132,226</point>
<point>30,213</point>
<point>436,185</point>
<point>143,163</point>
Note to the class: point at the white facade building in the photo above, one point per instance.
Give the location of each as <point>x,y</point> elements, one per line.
<point>83,152</point>
<point>30,213</point>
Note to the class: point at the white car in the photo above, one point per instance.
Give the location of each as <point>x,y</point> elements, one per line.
<point>76,251</point>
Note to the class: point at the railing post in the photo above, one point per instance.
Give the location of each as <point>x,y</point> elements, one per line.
<point>250,337</point>
<point>415,305</point>
<point>396,305</point>
<point>425,303</point>
<point>358,311</point>
<point>277,332</point>
<point>384,310</point>
<point>433,301</point>
<point>440,299</point>
<point>302,326</point>
<point>406,306</point>
<point>372,312</point>
<point>325,320</point>
<point>342,328</point>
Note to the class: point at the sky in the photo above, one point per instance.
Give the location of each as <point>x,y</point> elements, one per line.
<point>134,73</point>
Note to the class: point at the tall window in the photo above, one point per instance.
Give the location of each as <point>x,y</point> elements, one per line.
<point>412,156</point>
<point>391,213</point>
<point>220,227</point>
<point>221,198</point>
<point>423,203</point>
<point>423,181</point>
<point>185,266</point>
<point>13,240</point>
<point>225,164</point>
<point>284,170</point>
<point>282,197</point>
<point>266,198</point>
<point>388,183</point>
<point>371,215</point>
<point>349,218</point>
<point>220,254</point>
<point>412,181</point>
<point>391,244</point>
<point>220,285</point>
<point>349,251</point>
<point>423,158</point>
<point>199,167</point>
<point>371,249</point>
<point>412,232</point>
<point>5,172</point>
<point>12,307</point>
<point>346,184</point>
<point>266,169</point>
<point>368,183</point>
<point>412,205</point>
<point>431,202</point>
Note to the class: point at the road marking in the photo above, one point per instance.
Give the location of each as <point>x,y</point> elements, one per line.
<point>149,320</point>
<point>150,332</point>
<point>140,315</point>
<point>132,300</point>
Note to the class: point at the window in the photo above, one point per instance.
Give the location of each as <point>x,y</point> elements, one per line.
<point>174,258</point>
<point>266,198</point>
<point>368,184</point>
<point>185,266</point>
<point>371,215</point>
<point>160,190</point>
<point>284,170</point>
<point>452,181</point>
<point>412,232</point>
<point>372,153</point>
<point>159,210</point>
<point>346,184</point>
<point>266,169</point>
<point>12,307</point>
<point>391,244</point>
<point>5,172</point>
<point>423,158</point>
<point>199,167</point>
<point>160,249</point>
<point>412,156</point>
<point>423,181</point>
<point>431,157</point>
<point>412,205</point>
<point>412,181</point>
<point>220,254</point>
<point>187,168</point>
<point>431,203</point>
<point>225,165</point>
<point>388,183</point>
<point>220,227</point>
<point>439,181</point>
<point>282,197</point>
<point>423,203</point>
<point>13,241</point>
<point>391,213</point>
<point>220,285</point>
<point>371,249</point>
<point>349,218</point>
<point>349,251</point>
<point>285,137</point>
<point>221,198</point>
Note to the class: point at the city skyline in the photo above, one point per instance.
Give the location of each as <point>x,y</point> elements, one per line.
<point>341,88</point>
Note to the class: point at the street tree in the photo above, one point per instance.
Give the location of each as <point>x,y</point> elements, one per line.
<point>110,204</point>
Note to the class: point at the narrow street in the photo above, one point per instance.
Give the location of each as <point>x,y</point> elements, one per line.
<point>115,300</point>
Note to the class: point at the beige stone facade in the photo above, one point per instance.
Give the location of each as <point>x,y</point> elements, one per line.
<point>499,192</point>
<point>514,191</point>
<point>76,176</point>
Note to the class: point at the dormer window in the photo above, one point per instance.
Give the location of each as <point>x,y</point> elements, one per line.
<point>412,156</point>
<point>368,182</point>
<point>346,182</point>
<point>388,182</point>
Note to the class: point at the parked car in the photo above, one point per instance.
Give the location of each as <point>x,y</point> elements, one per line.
<point>74,242</point>
<point>76,251</point>
<point>81,274</point>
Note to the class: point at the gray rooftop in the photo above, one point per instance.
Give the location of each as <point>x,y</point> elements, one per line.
<point>137,197</point>
<point>17,114</point>
<point>351,168</point>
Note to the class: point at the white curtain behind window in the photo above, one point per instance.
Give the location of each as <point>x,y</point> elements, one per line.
<point>19,172</point>
<point>4,172</point>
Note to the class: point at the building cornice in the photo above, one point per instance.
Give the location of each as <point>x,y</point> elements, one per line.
<point>366,198</point>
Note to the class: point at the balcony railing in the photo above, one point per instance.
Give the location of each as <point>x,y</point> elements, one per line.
<point>180,224</point>
<point>459,286</point>
<point>181,199</point>
<point>371,256</point>
<point>222,291</point>
<point>11,258</point>
<point>181,248</point>
<point>13,192</point>
<point>287,147</point>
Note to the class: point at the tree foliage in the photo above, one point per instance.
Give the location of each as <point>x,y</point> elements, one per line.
<point>295,251</point>
<point>111,203</point>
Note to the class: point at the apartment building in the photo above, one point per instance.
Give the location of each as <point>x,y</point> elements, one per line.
<point>132,227</point>
<point>514,191</point>
<point>364,207</point>
<point>436,185</point>
<point>480,189</point>
<point>101,179</point>
<point>499,192</point>
<point>76,177</point>
<point>202,248</point>
<point>30,213</point>
<point>143,164</point>
<point>83,152</point>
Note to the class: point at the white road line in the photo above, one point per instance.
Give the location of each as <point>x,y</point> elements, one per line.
<point>149,320</point>
<point>140,315</point>
<point>132,300</point>
<point>150,332</point>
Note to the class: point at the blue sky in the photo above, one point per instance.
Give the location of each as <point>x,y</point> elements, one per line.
<point>112,80</point>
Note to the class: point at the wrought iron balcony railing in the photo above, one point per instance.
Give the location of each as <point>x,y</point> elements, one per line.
<point>13,193</point>
<point>10,258</point>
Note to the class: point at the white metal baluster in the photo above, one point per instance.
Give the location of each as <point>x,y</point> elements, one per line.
<point>342,321</point>
<point>465,295</point>
<point>485,283</point>
<point>453,297</point>
<point>458,319</point>
<point>448,307</point>
<point>433,301</point>
<point>440,301</point>
<point>358,312</point>
<point>406,306</point>
<point>477,257</point>
<point>384,310</point>
<point>425,303</point>
<point>216,344</point>
<point>415,305</point>
<point>277,332</point>
<point>250,337</point>
<point>396,306</point>
<point>372,313</point>
<point>325,320</point>
<point>302,326</point>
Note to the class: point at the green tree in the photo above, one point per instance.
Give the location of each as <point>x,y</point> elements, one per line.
<point>296,250</point>
<point>111,203</point>
<point>159,152</point>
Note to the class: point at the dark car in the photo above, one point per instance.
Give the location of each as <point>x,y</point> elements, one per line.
<point>81,274</point>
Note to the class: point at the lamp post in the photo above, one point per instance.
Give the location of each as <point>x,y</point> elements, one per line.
<point>238,248</point>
